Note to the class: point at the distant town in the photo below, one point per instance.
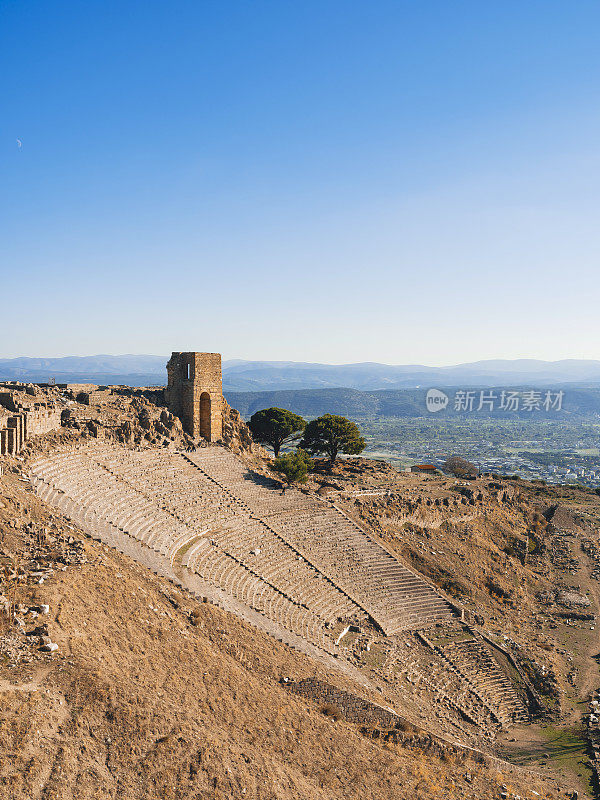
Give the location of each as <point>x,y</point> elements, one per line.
<point>517,465</point>
<point>555,452</point>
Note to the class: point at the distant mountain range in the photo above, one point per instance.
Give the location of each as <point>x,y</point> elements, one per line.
<point>580,403</point>
<point>273,375</point>
<point>131,370</point>
<point>252,376</point>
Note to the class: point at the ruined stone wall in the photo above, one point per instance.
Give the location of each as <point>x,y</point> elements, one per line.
<point>7,401</point>
<point>42,421</point>
<point>95,397</point>
<point>351,707</point>
<point>195,393</point>
<point>76,388</point>
<point>16,428</point>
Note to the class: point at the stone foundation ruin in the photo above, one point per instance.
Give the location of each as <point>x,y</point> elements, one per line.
<point>27,419</point>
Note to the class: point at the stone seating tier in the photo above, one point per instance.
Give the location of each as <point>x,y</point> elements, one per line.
<point>290,556</point>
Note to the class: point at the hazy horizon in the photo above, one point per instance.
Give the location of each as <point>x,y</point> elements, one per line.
<point>233,359</point>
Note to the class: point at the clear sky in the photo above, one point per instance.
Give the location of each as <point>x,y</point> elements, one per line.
<point>313,180</point>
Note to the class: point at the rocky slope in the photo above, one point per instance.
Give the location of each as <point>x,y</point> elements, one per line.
<point>150,694</point>
<point>115,682</point>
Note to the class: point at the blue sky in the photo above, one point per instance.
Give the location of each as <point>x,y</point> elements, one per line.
<point>405,182</point>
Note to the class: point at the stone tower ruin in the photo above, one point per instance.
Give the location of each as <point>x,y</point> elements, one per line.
<point>195,393</point>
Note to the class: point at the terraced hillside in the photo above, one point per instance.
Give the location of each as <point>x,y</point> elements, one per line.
<point>293,559</point>
<point>394,597</point>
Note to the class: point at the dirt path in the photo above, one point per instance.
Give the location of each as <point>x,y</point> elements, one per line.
<point>590,674</point>
<point>32,685</point>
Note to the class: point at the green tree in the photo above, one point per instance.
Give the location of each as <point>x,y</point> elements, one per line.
<point>275,427</point>
<point>330,435</point>
<point>293,466</point>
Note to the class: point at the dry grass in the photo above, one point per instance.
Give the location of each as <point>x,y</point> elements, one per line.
<point>142,705</point>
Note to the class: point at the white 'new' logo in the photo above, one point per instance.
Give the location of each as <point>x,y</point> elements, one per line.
<point>436,400</point>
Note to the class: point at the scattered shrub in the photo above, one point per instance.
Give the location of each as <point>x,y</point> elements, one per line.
<point>331,710</point>
<point>460,467</point>
<point>293,466</point>
<point>406,727</point>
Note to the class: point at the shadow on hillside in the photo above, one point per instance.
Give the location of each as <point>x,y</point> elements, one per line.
<point>262,480</point>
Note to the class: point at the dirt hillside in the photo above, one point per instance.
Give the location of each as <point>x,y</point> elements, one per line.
<point>151,694</point>
<point>116,683</point>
